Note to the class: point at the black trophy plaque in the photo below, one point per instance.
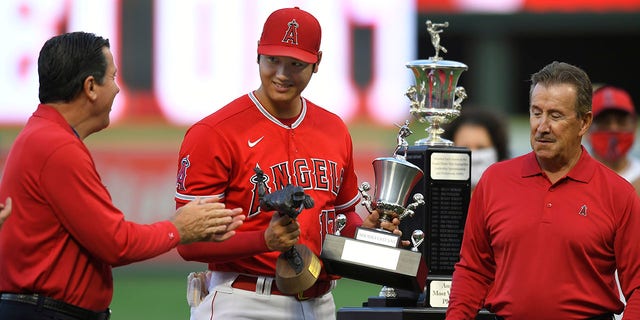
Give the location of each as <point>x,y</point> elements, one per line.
<point>446,187</point>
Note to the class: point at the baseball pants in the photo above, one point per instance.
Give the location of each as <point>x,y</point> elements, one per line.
<point>226,302</point>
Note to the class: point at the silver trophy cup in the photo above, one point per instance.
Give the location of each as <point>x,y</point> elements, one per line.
<point>395,177</point>
<point>435,98</point>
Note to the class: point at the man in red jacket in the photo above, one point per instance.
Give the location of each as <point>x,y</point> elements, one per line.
<point>64,235</point>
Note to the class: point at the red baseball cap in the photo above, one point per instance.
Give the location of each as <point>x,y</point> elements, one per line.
<point>291,32</point>
<point>611,98</point>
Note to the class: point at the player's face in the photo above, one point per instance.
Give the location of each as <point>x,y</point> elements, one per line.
<point>283,79</point>
<point>556,128</point>
<point>106,92</point>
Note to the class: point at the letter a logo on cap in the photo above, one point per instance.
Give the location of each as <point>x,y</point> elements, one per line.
<point>291,36</point>
<point>291,32</point>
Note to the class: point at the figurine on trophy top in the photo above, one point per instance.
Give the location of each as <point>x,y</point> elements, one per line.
<point>435,98</point>
<point>403,133</point>
<point>434,30</point>
<point>395,178</point>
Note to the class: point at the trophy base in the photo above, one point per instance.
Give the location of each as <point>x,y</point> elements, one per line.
<point>384,302</point>
<point>291,282</point>
<point>400,313</point>
<point>374,263</point>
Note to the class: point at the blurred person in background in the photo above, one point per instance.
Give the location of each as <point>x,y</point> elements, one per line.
<point>546,231</point>
<point>613,132</point>
<point>484,133</point>
<point>612,135</point>
<point>64,235</point>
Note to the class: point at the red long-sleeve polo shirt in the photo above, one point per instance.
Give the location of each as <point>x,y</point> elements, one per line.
<point>64,233</point>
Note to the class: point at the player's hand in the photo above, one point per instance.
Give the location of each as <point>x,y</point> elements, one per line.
<point>207,220</point>
<point>373,221</point>
<point>282,233</point>
<point>5,210</point>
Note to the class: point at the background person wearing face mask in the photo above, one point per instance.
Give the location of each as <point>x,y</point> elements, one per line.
<point>484,133</point>
<point>613,132</point>
<point>612,135</point>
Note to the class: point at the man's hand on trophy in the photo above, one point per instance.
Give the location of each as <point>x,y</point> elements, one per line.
<point>282,233</point>
<point>372,221</point>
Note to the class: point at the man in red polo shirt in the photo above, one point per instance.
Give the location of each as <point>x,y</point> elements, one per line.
<point>546,231</point>
<point>64,235</point>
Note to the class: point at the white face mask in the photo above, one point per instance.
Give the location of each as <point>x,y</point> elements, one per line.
<point>481,159</point>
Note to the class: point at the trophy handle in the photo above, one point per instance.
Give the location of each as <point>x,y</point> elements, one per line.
<point>460,94</point>
<point>412,95</point>
<point>366,198</point>
<point>339,223</point>
<point>418,199</point>
<point>417,238</point>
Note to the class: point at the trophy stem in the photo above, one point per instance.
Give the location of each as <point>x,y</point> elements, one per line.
<point>433,137</point>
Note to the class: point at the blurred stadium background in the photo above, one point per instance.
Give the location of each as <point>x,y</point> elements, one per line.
<point>181,60</point>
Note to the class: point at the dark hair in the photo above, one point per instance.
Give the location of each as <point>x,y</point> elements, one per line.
<point>495,126</point>
<point>64,63</point>
<point>561,72</point>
